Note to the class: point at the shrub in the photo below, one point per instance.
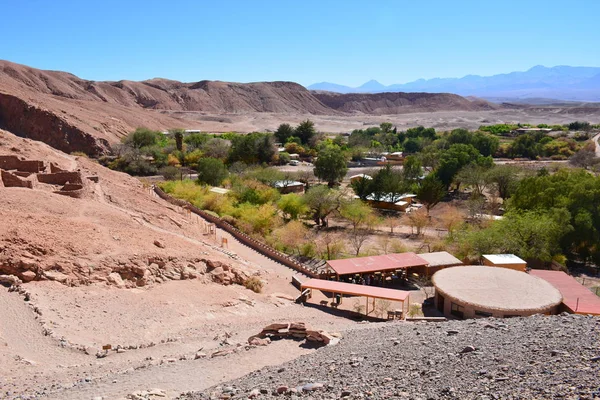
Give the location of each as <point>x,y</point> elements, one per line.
<point>254,283</point>
<point>211,171</point>
<point>415,310</point>
<point>170,173</point>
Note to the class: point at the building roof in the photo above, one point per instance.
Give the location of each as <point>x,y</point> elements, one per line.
<point>500,289</point>
<point>389,197</point>
<point>357,290</point>
<point>219,190</point>
<point>282,184</point>
<point>363,176</point>
<point>576,297</point>
<point>504,259</point>
<point>440,259</point>
<point>386,262</point>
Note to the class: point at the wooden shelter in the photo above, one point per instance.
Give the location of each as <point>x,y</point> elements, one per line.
<point>368,265</point>
<point>373,292</point>
<point>509,261</point>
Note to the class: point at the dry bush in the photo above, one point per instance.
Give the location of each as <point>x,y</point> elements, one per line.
<point>255,284</point>
<point>329,246</point>
<point>397,246</point>
<point>392,223</point>
<point>451,219</point>
<point>382,307</point>
<point>415,310</point>
<point>419,220</point>
<point>383,244</point>
<point>358,307</point>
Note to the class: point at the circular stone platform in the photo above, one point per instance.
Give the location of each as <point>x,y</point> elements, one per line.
<point>493,291</point>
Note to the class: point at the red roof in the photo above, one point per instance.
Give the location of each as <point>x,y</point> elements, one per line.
<point>357,290</point>
<point>376,263</point>
<point>576,297</point>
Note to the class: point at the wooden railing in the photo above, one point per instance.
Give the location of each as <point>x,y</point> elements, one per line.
<point>245,239</point>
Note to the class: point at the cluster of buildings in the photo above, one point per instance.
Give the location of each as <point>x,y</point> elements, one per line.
<point>501,287</point>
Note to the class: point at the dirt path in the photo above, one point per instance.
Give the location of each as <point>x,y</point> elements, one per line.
<point>596,139</point>
<point>184,376</point>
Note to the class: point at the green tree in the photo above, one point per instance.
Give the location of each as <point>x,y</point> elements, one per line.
<point>486,144</point>
<point>321,202</point>
<point>455,158</point>
<point>530,235</point>
<point>211,171</point>
<point>412,168</point>
<point>196,140</point>
<point>331,165</point>
<point>178,135</point>
<point>253,148</point>
<point>389,184</point>
<point>431,192</point>
<point>357,213</point>
<point>292,205</point>
<point>284,158</point>
<point>142,137</point>
<point>216,148</point>
<point>284,132</point>
<point>386,127</point>
<point>504,179</point>
<point>475,176</point>
<point>305,131</point>
<point>575,191</point>
<point>362,187</point>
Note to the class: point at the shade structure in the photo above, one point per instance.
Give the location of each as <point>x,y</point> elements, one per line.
<point>388,262</point>
<point>440,259</point>
<point>576,297</point>
<point>356,290</point>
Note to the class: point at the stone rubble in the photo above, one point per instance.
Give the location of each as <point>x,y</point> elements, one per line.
<point>537,357</point>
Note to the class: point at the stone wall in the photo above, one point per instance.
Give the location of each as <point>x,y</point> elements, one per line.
<point>61,178</point>
<point>14,162</point>
<point>12,180</point>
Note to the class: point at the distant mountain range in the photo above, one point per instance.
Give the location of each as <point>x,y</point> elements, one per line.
<point>560,83</point>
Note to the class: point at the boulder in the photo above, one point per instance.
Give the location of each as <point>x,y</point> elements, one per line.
<point>256,341</point>
<point>28,276</point>
<point>116,279</point>
<point>56,276</point>
<point>10,279</point>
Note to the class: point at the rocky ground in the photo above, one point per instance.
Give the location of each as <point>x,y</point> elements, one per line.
<point>521,358</point>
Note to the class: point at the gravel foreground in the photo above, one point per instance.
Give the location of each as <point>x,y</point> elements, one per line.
<point>520,358</point>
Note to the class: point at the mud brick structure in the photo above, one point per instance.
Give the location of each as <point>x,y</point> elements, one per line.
<point>12,180</point>
<point>11,162</point>
<point>61,178</point>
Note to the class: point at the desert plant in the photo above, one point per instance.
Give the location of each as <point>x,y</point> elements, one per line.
<point>170,173</point>
<point>358,307</point>
<point>382,307</point>
<point>415,310</point>
<point>254,283</point>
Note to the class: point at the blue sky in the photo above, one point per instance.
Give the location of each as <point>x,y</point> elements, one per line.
<point>346,42</point>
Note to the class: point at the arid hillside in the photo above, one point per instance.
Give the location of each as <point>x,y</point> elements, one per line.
<point>70,220</point>
<point>73,114</point>
<point>401,103</point>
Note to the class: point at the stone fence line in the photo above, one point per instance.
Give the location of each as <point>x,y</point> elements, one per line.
<point>245,239</point>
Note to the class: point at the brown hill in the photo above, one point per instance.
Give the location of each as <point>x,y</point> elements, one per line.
<point>400,103</point>
<point>74,114</point>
